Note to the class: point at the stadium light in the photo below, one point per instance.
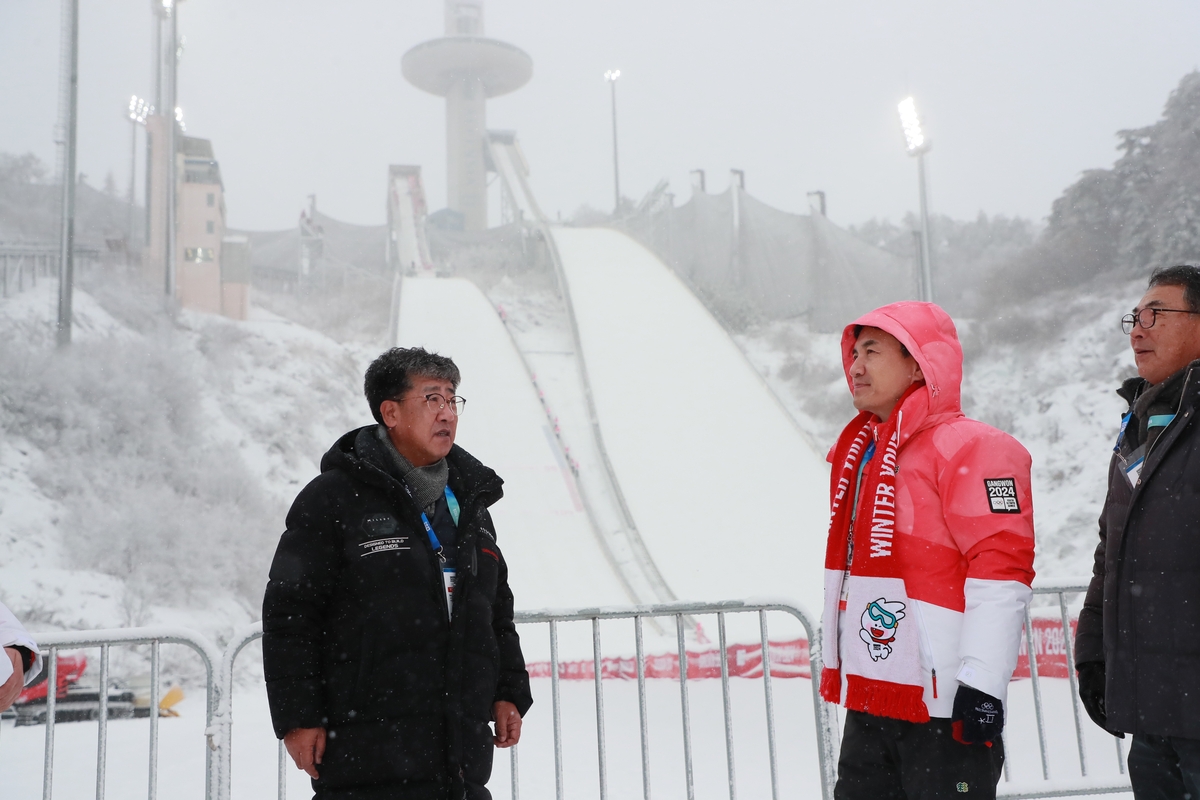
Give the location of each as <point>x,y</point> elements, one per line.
<point>914,137</point>
<point>139,109</point>
<point>611,77</point>
<point>918,144</point>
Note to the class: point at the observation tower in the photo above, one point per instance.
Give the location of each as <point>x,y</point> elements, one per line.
<point>466,68</point>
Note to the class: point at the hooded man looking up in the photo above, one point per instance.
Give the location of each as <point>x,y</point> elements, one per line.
<point>388,635</point>
<point>1137,648</point>
<point>928,567</point>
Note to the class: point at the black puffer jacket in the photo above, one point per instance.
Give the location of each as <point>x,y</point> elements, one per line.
<point>356,637</point>
<point>1142,612</point>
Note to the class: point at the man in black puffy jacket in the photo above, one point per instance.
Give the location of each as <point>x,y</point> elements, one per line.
<point>1138,644</point>
<point>388,636</point>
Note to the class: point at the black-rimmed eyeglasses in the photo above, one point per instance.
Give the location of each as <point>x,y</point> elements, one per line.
<point>436,402</point>
<point>1148,316</point>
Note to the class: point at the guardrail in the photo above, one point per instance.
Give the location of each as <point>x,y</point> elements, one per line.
<point>1043,652</point>
<point>1032,652</point>
<point>155,636</point>
<point>22,264</point>
<point>826,732</point>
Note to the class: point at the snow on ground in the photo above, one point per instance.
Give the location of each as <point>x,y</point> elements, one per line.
<point>182,746</point>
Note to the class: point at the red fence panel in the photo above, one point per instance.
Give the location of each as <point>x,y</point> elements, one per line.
<point>789,659</point>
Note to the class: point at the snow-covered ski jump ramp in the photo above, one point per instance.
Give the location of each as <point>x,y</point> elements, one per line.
<point>730,499</point>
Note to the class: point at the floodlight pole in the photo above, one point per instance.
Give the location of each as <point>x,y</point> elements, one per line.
<point>926,255</point>
<point>134,113</point>
<point>611,76</point>
<point>171,7</point>
<point>66,251</point>
<point>133,126</point>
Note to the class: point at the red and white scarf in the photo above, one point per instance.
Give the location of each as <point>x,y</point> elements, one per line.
<point>880,656</point>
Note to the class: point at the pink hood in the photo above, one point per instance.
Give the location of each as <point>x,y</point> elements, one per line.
<point>929,334</point>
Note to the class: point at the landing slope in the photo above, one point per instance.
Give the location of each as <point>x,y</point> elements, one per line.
<point>543,529</point>
<point>729,497</point>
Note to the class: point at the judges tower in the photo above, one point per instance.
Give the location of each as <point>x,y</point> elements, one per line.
<point>466,68</point>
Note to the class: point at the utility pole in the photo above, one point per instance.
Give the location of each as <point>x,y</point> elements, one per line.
<point>170,7</point>
<point>139,109</point>
<point>66,249</point>
<point>611,76</point>
<point>156,104</point>
<point>926,253</point>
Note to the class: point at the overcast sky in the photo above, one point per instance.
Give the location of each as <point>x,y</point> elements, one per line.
<point>306,96</point>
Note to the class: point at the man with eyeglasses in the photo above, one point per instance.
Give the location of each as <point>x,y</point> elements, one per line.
<point>1137,648</point>
<point>388,636</point>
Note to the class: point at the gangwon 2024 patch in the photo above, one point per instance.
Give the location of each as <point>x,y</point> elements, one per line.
<point>1002,495</point>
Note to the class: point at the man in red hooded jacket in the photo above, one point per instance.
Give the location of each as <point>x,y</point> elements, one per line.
<point>928,567</point>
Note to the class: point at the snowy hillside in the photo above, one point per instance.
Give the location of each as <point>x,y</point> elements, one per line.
<point>144,472</point>
<point>1046,374</point>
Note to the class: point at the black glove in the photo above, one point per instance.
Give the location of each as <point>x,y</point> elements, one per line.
<point>977,718</point>
<point>1091,692</point>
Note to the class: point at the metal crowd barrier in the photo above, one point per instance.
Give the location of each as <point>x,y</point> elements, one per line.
<point>155,636</point>
<point>1069,788</point>
<point>219,669</point>
<point>826,731</point>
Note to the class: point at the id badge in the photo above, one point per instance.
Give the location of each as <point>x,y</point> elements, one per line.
<point>448,577</point>
<point>1131,465</point>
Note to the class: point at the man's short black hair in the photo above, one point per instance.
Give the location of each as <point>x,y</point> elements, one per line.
<point>1184,275</point>
<point>903,350</point>
<point>390,375</point>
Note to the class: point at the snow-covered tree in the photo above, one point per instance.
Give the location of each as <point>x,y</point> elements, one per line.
<point>1144,212</point>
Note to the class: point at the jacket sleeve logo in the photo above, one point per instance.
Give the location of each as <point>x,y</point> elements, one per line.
<point>879,624</point>
<point>1002,495</point>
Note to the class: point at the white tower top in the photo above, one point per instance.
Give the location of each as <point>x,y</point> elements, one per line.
<point>464,17</point>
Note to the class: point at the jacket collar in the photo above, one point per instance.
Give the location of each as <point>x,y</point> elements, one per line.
<point>1189,399</point>
<point>1132,388</point>
<point>471,480</point>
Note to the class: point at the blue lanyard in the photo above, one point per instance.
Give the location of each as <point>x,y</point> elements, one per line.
<point>455,511</point>
<point>1124,424</point>
<point>867,456</point>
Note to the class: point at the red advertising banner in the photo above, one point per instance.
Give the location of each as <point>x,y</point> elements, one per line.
<point>1050,648</point>
<point>788,660</point>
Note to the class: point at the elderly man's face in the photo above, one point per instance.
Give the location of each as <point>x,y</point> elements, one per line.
<point>422,432</point>
<point>1172,342</point>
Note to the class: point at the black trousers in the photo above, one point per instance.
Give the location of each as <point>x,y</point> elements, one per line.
<point>1164,767</point>
<point>890,759</point>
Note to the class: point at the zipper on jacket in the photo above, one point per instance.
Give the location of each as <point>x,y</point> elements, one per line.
<point>926,645</point>
<point>1182,394</point>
